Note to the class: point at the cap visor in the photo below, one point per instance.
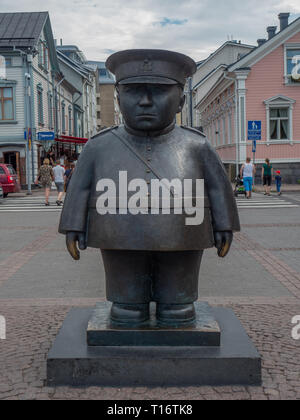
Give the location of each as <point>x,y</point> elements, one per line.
<point>148,79</point>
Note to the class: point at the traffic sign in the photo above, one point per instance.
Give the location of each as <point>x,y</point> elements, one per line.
<point>254,130</point>
<point>253,146</point>
<point>45,135</point>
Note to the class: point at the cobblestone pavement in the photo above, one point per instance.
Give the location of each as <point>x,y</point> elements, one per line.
<point>39,283</point>
<point>32,329</point>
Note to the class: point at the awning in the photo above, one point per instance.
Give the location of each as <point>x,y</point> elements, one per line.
<point>71,139</point>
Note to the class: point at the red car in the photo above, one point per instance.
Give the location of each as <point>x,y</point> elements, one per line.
<point>9,179</point>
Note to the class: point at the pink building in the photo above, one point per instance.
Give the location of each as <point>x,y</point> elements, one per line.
<point>260,92</point>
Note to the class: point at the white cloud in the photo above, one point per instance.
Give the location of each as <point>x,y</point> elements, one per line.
<point>100,26</point>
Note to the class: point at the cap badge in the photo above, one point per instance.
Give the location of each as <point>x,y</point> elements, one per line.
<point>146,66</point>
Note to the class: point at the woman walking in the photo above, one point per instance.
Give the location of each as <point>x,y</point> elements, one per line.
<point>45,177</point>
<point>247,173</point>
<point>266,174</point>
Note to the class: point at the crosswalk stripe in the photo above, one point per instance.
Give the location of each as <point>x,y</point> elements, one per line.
<point>28,204</point>
<point>268,207</point>
<point>284,203</point>
<point>27,211</point>
<point>37,204</point>
<point>29,207</point>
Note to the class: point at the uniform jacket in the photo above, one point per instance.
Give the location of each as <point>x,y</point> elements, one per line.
<point>180,153</point>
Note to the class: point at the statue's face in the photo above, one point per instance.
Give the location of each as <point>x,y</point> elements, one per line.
<point>150,107</point>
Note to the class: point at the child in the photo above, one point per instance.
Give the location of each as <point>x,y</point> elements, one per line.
<point>278,179</point>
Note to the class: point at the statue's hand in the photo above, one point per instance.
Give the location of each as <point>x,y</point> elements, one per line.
<point>71,239</point>
<point>223,242</point>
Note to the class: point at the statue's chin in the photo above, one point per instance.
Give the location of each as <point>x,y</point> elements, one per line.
<point>147,125</point>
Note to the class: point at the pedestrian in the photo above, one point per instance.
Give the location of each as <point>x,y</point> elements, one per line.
<point>68,174</point>
<point>247,174</point>
<point>59,172</point>
<point>278,179</point>
<point>45,177</point>
<point>62,159</point>
<point>51,158</point>
<point>266,174</point>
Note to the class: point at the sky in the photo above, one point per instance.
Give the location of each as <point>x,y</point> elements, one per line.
<point>193,27</point>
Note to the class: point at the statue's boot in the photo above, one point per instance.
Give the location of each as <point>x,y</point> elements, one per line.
<point>133,313</point>
<point>175,314</point>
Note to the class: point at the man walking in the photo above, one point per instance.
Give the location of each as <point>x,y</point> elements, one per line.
<point>247,173</point>
<point>59,181</point>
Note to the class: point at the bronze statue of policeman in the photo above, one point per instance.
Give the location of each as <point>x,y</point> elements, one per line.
<point>149,257</point>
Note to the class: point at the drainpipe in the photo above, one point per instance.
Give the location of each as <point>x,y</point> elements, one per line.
<point>31,112</point>
<point>27,123</point>
<point>237,160</point>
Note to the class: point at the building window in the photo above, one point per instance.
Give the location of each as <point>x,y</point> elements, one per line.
<point>43,55</point>
<point>8,62</point>
<point>214,136</point>
<point>63,117</point>
<point>46,58</point>
<point>279,124</point>
<point>279,121</point>
<point>40,104</point>
<point>218,133</point>
<point>224,131</point>
<point>50,110</point>
<point>6,104</point>
<point>229,131</point>
<point>70,120</point>
<point>292,64</point>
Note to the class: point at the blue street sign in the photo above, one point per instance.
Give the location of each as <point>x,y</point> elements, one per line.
<point>253,146</point>
<point>46,135</point>
<point>254,130</point>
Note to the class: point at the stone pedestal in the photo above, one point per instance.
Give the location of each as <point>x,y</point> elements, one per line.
<point>71,361</point>
<point>102,332</point>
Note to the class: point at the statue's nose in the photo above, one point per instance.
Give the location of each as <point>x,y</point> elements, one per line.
<point>146,99</point>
